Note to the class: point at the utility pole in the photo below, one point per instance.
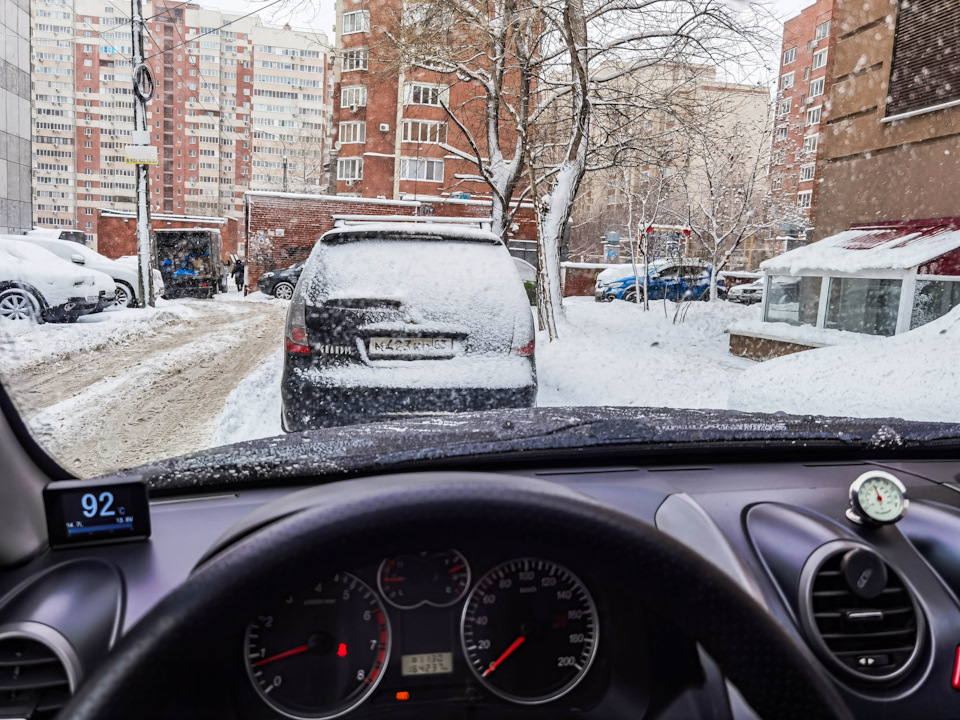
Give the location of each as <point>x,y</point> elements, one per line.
<point>285,173</point>
<point>142,154</point>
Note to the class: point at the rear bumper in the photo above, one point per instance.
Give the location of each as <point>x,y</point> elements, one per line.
<point>106,300</point>
<point>306,405</point>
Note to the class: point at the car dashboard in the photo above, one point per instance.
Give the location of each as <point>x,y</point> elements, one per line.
<point>496,629</point>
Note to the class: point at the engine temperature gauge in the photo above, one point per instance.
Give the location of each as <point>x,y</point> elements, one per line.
<point>877,498</point>
<point>424,578</point>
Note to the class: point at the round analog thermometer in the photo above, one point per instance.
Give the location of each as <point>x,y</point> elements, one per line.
<point>877,498</point>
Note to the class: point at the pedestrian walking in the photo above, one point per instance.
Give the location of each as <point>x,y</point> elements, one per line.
<point>238,275</point>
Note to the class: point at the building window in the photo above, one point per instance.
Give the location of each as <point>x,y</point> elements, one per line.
<point>813,115</point>
<point>793,300</point>
<point>88,226</point>
<point>784,107</point>
<point>820,58</point>
<point>863,305</point>
<point>355,60</point>
<point>804,199</point>
<point>353,132</point>
<point>790,56</point>
<point>777,183</point>
<point>806,74</point>
<point>88,211</point>
<point>419,94</point>
<point>350,169</point>
<point>811,143</point>
<point>782,133</point>
<point>421,169</point>
<point>779,157</point>
<point>786,82</point>
<point>816,87</point>
<point>933,299</point>
<point>823,30</point>
<point>354,22</point>
<point>925,73</point>
<point>419,131</point>
<point>807,172</point>
<point>355,95</point>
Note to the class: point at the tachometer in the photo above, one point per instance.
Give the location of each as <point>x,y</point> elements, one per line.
<point>530,630</point>
<point>321,652</point>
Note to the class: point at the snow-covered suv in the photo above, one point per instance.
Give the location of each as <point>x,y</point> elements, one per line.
<point>400,319</point>
<point>37,285</point>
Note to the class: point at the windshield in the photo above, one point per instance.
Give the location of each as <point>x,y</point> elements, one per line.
<point>743,208</point>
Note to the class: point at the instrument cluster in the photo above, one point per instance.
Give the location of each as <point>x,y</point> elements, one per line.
<point>419,627</point>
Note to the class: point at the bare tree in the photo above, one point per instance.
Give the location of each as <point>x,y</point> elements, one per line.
<point>544,71</point>
<point>726,188</point>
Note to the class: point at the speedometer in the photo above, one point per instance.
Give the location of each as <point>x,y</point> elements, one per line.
<point>529,631</point>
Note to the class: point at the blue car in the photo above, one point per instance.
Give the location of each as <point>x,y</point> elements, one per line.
<point>671,279</point>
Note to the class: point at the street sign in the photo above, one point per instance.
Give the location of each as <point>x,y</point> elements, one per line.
<point>141,155</point>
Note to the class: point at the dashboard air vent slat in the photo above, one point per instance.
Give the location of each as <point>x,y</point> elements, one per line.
<point>33,681</point>
<point>873,638</point>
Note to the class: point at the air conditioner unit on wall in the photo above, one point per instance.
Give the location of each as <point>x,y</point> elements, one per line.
<point>349,183</point>
<point>384,127</point>
<point>354,108</point>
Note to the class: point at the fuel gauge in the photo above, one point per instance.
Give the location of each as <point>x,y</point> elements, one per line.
<point>425,578</point>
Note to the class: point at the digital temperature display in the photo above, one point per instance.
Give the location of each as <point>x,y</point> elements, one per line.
<point>83,513</point>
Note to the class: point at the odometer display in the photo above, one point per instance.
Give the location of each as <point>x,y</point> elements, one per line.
<point>529,630</point>
<point>319,653</point>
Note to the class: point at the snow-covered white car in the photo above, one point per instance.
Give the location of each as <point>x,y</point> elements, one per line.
<point>36,284</point>
<point>399,319</point>
<point>123,273</point>
<point>747,294</point>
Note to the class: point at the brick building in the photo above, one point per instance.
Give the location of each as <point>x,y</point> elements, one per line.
<point>891,148</point>
<point>284,227</point>
<point>806,74</point>
<point>390,124</point>
<point>233,98</point>
<point>118,231</point>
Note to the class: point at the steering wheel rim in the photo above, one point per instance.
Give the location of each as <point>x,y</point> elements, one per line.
<point>347,524</point>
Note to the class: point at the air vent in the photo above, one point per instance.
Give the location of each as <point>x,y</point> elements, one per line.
<point>33,680</point>
<point>860,615</point>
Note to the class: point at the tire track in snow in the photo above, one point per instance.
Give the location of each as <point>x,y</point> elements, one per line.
<point>153,400</point>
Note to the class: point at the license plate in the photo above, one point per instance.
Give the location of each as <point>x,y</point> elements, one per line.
<point>430,347</point>
<point>93,298</point>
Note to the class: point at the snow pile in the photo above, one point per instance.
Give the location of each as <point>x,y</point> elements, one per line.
<point>24,345</point>
<point>914,376</point>
<point>252,410</point>
<point>618,354</point>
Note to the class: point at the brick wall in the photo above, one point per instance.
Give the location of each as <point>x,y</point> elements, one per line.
<point>302,219</point>
<point>117,233</point>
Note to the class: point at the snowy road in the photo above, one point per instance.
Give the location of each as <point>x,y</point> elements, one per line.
<point>148,394</point>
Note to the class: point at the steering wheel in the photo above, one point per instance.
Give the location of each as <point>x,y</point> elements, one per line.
<point>335,527</point>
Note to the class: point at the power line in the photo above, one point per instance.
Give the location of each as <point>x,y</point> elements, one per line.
<point>216,29</point>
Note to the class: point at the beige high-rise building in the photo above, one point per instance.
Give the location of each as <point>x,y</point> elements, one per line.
<point>238,105</point>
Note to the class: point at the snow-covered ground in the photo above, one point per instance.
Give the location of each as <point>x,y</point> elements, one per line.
<point>914,376</point>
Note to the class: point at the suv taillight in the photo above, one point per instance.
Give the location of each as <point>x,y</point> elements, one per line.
<point>296,341</point>
<point>526,350</point>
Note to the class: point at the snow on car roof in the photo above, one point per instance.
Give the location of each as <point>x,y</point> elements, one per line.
<point>422,231</point>
<point>885,246</point>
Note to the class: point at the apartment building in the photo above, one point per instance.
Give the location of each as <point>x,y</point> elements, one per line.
<point>15,161</point>
<point>806,74</point>
<point>233,98</point>
<point>891,149</point>
<point>390,124</point>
